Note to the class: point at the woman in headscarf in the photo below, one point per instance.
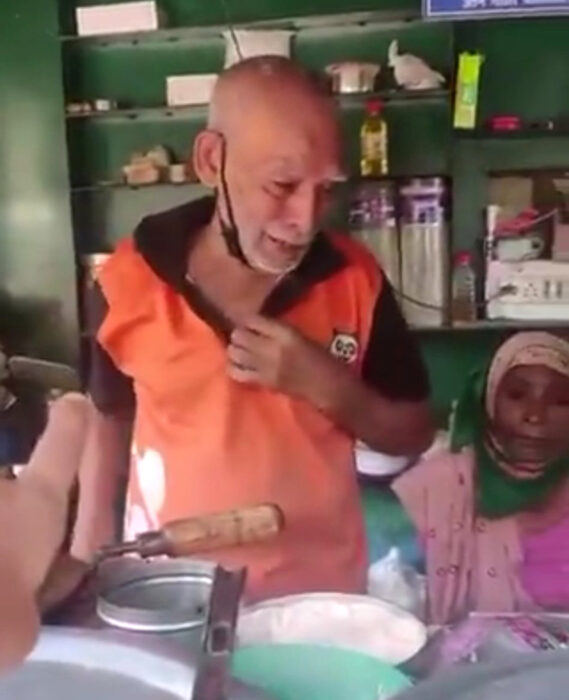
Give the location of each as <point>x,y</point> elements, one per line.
<point>493,512</point>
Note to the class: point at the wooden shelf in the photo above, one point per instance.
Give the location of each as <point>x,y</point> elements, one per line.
<point>315,23</point>
<point>145,113</point>
<point>514,135</point>
<point>164,112</point>
<point>395,95</point>
<point>118,186</point>
<point>497,325</point>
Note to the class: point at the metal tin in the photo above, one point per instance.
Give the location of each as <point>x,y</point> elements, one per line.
<point>351,77</point>
<point>158,597</point>
<point>93,263</point>
<point>105,664</point>
<point>104,105</point>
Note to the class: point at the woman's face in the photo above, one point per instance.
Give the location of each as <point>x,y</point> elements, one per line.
<point>531,419</point>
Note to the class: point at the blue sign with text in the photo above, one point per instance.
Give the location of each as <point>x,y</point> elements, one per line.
<point>472,9</point>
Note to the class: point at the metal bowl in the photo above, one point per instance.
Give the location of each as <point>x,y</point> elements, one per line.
<point>161,597</point>
<point>92,665</point>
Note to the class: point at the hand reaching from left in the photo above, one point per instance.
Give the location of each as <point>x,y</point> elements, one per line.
<point>33,516</point>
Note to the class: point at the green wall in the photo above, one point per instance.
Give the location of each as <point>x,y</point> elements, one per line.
<point>38,311</point>
<point>524,72</point>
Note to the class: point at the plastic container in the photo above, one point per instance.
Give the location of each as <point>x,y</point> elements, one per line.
<point>373,222</point>
<point>312,672</point>
<point>463,297</point>
<point>424,251</point>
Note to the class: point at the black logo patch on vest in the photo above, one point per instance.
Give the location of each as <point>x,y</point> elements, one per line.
<point>344,346</point>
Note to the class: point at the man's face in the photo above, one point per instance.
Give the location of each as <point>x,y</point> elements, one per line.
<point>279,177</point>
<point>532,415</point>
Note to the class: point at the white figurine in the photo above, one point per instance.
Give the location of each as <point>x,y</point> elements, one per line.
<point>411,72</point>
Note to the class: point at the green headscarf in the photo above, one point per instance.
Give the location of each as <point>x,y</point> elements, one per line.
<point>498,493</point>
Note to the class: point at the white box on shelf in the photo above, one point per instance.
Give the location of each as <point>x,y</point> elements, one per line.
<point>189,89</point>
<point>535,290</point>
<point>138,16</point>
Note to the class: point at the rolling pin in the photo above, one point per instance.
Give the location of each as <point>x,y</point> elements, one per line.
<point>182,538</point>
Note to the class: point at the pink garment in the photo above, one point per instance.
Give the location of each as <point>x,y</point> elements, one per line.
<point>545,573</point>
<point>472,563</point>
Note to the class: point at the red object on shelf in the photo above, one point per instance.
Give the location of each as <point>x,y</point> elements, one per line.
<point>463,257</point>
<point>506,122</point>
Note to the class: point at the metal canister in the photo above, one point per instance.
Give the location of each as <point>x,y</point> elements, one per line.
<point>424,252</point>
<point>164,598</point>
<point>91,265</point>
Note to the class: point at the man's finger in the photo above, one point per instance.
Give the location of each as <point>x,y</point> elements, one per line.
<point>267,327</point>
<point>241,357</point>
<point>57,455</point>
<point>243,376</point>
<point>248,339</point>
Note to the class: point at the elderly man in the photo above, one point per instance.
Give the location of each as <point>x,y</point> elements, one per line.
<point>253,348</point>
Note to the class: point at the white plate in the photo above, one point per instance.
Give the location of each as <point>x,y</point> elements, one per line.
<point>370,463</point>
<point>355,622</point>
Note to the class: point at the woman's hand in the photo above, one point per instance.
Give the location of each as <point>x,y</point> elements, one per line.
<point>33,516</point>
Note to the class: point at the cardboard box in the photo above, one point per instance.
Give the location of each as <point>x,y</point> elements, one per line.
<point>189,89</point>
<point>116,19</point>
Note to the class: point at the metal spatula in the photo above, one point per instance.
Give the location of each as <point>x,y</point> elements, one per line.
<point>213,672</point>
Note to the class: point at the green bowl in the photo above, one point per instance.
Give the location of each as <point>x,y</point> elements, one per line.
<point>311,672</point>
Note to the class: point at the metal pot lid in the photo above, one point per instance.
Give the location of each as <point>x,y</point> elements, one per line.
<point>92,665</point>
<point>523,677</point>
<point>166,595</point>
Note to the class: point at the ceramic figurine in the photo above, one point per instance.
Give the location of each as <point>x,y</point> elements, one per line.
<point>411,72</point>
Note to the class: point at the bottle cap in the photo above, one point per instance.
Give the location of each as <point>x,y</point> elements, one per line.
<point>463,257</point>
<point>374,107</point>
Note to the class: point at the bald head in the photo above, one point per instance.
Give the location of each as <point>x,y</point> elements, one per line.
<point>266,82</point>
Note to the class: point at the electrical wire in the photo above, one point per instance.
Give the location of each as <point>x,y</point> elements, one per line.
<point>508,289</point>
<point>231,27</point>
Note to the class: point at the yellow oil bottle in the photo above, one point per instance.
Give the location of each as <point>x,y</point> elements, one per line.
<point>374,141</point>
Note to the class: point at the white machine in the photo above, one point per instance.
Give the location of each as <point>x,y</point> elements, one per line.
<point>535,290</point>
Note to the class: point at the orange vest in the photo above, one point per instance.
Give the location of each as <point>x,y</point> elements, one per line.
<point>204,443</point>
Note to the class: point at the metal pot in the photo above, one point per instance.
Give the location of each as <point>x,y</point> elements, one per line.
<point>353,77</point>
<point>92,665</point>
<point>161,598</point>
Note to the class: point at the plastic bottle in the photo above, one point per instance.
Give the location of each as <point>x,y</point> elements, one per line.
<point>373,141</point>
<point>463,300</point>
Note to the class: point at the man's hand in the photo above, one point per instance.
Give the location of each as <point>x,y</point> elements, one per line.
<point>277,356</point>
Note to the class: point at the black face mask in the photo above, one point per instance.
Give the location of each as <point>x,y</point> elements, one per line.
<point>229,231</point>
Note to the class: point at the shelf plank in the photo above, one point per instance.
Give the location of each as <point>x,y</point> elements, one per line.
<point>311,23</point>
<point>162,112</point>
<point>507,136</point>
<point>353,100</point>
<point>489,325</point>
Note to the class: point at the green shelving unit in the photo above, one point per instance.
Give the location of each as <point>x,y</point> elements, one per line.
<point>131,70</point>
<point>80,205</point>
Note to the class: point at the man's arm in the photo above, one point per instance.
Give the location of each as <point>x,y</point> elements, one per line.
<point>387,408</point>
<point>105,464</point>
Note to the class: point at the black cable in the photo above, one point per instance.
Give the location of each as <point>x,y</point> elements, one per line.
<point>434,307</point>
<point>229,232</point>
<point>231,28</point>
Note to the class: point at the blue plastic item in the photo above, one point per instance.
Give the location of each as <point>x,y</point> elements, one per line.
<point>311,672</point>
